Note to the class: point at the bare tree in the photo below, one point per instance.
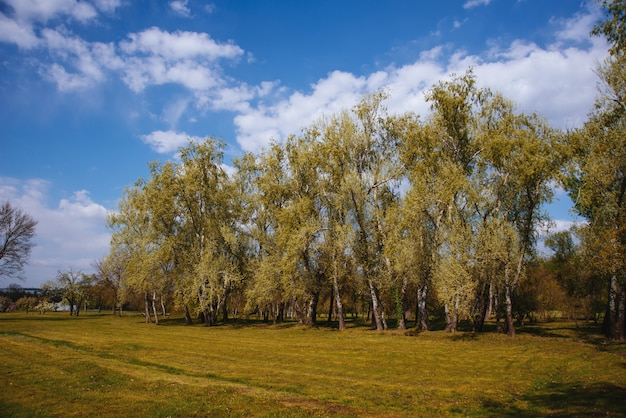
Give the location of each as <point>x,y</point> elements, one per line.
<point>17,229</point>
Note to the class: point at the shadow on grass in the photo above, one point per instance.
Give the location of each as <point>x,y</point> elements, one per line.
<point>539,330</point>
<point>560,400</point>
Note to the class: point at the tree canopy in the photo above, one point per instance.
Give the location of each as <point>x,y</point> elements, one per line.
<point>17,230</point>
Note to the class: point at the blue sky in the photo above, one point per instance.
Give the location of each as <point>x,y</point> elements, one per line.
<point>93,90</point>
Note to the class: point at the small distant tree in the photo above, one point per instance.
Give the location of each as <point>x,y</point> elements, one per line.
<point>26,303</point>
<point>6,304</point>
<point>45,306</point>
<point>17,230</point>
<point>72,287</point>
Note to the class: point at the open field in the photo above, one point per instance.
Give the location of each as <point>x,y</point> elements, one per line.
<point>101,365</point>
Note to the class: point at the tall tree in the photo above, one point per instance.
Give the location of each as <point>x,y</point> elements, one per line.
<point>598,185</point>
<point>17,230</point>
<point>597,176</point>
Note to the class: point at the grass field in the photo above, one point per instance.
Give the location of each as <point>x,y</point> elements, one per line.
<point>101,365</point>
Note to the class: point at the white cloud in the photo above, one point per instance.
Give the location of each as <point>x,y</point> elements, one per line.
<point>70,235</point>
<point>45,10</point>
<point>180,8</point>
<point>340,90</point>
<point>21,35</point>
<point>556,82</point>
<point>475,3</point>
<point>178,45</point>
<point>165,142</point>
<point>107,5</point>
<point>86,61</point>
<point>156,57</point>
<point>578,27</point>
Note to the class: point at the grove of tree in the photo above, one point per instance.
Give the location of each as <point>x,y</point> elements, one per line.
<point>390,216</point>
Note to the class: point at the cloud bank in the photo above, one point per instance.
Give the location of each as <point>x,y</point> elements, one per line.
<point>70,233</point>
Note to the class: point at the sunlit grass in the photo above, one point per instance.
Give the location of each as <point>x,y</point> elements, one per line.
<point>101,365</point>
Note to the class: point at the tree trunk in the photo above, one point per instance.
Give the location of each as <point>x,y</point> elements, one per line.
<point>154,309</point>
<point>621,313</point>
<point>376,320</point>
<point>452,318</point>
<point>490,303</point>
<point>206,316</point>
<point>147,304</point>
<point>331,305</point>
<point>421,320</point>
<point>342,322</point>
<point>508,300</point>
<point>480,307</point>
<point>188,320</point>
<point>225,309</point>
<point>402,301</point>
<point>163,310</point>
<point>311,315</point>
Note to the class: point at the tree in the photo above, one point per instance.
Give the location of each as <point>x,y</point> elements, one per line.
<point>614,27</point>
<point>26,303</point>
<point>71,286</point>
<point>17,229</point>
<point>109,275</point>
<point>597,176</point>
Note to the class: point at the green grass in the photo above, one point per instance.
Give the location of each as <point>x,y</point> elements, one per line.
<point>101,365</point>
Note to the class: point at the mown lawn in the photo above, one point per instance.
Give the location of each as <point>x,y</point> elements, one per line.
<point>101,365</point>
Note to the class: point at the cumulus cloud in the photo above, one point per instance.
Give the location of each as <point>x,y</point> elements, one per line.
<point>178,45</point>
<point>43,11</point>
<point>70,234</point>
<point>146,58</point>
<point>165,142</point>
<point>21,35</point>
<point>556,81</point>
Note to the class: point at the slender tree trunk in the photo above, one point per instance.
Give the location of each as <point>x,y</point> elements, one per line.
<point>147,305</point>
<point>609,325</point>
<point>188,320</point>
<point>620,323</point>
<point>225,309</point>
<point>337,294</point>
<point>331,305</point>
<point>508,301</point>
<point>402,301</point>
<point>154,309</point>
<point>490,303</point>
<point>342,321</point>
<point>311,316</point>
<point>376,319</point>
<point>480,307</point>
<point>163,310</point>
<point>421,321</point>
